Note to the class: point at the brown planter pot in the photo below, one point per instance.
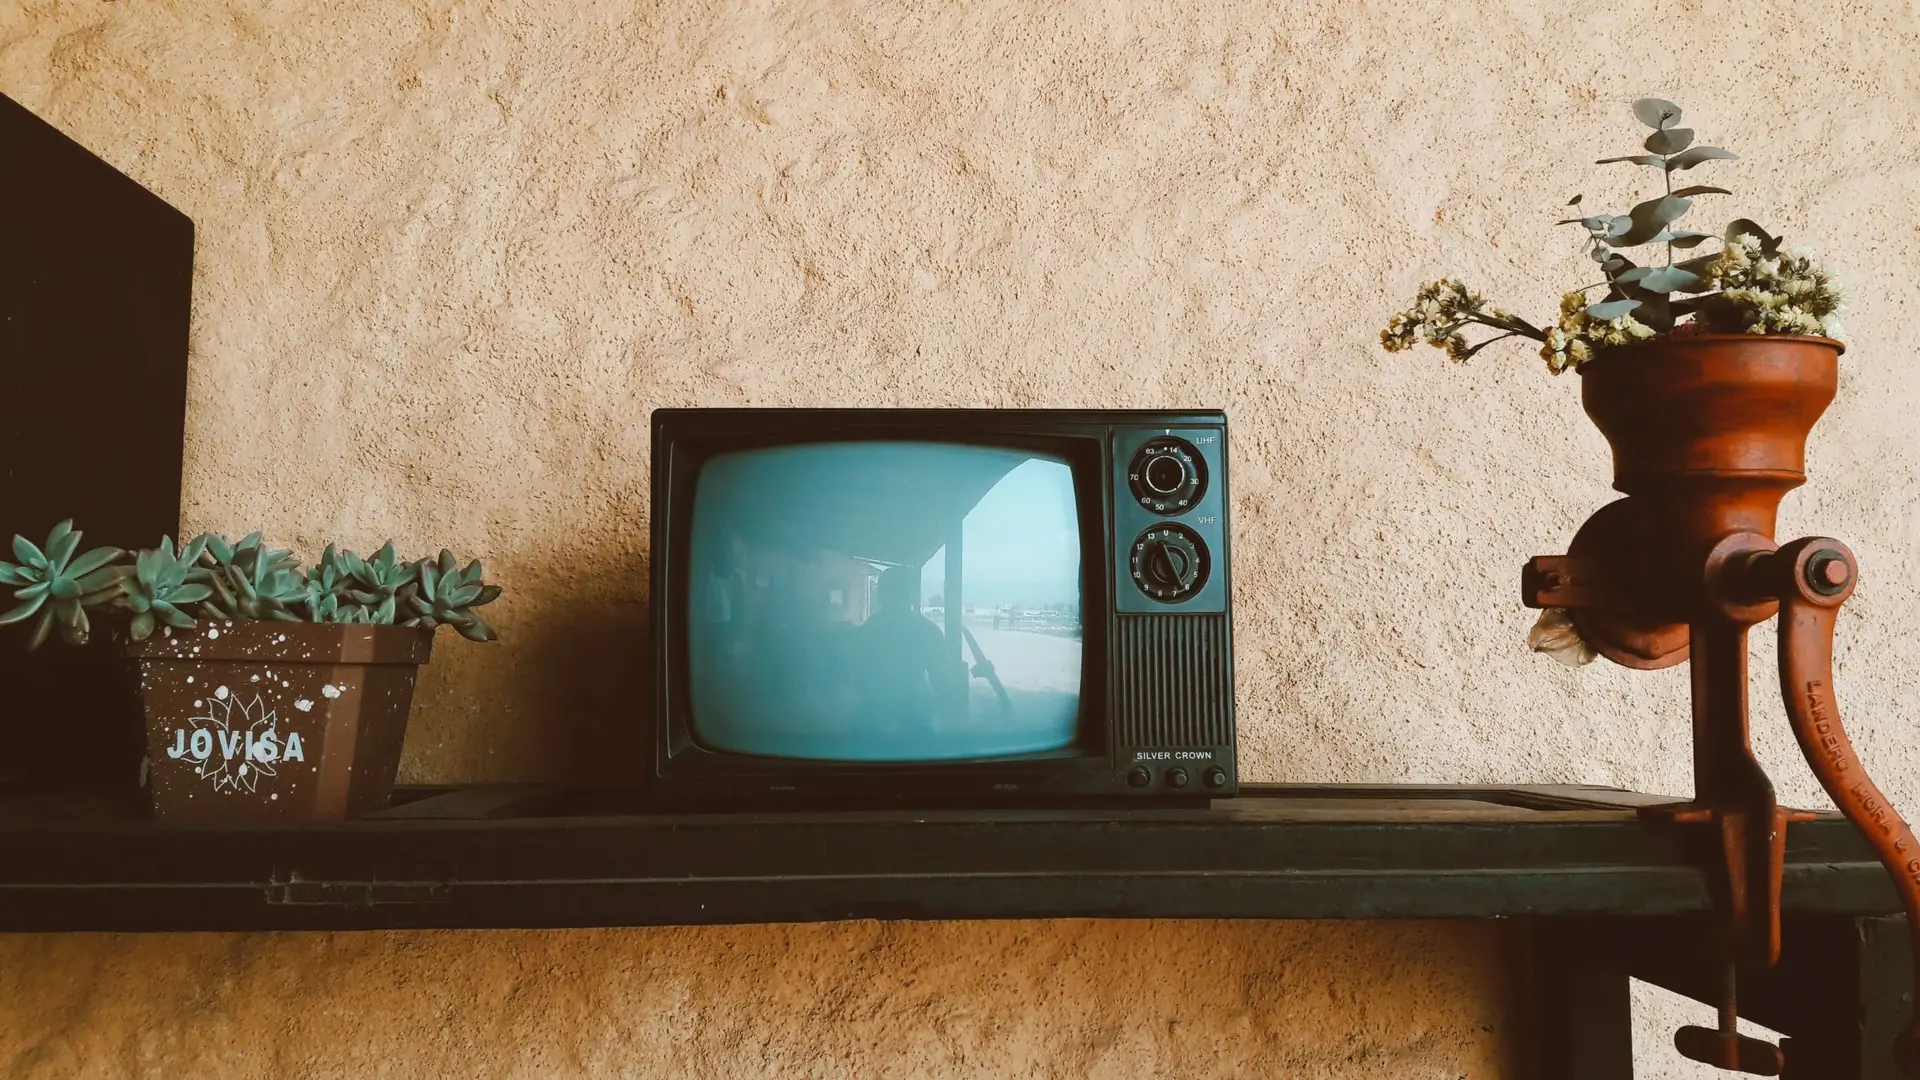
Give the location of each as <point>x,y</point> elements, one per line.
<point>1708,433</point>
<point>276,720</point>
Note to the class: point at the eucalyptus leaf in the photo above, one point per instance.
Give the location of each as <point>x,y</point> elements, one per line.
<point>1667,279</point>
<point>1637,159</point>
<point>1612,309</point>
<point>1687,159</point>
<point>1740,227</point>
<point>1700,189</point>
<point>1669,140</point>
<point>1656,113</point>
<point>1681,238</point>
<point>1655,312</point>
<point>1650,217</point>
<point>1699,263</point>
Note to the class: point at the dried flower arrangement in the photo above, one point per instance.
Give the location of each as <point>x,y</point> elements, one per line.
<point>214,578</point>
<point>1748,286</point>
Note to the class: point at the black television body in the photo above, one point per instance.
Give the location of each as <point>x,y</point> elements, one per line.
<point>1155,719</point>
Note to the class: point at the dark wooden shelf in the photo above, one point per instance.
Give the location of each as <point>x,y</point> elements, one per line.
<point>1601,894</point>
<point>536,857</point>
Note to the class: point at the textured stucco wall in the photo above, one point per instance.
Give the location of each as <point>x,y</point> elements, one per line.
<point>450,254</point>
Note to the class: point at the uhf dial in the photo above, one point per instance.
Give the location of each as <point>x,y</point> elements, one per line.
<point>1169,563</point>
<point>1167,475</point>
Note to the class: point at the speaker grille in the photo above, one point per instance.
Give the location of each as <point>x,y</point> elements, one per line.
<point>1173,681</point>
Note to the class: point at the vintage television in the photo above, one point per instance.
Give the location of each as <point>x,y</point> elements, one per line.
<point>963,607</point>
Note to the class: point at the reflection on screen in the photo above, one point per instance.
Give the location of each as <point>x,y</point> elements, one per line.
<point>884,601</point>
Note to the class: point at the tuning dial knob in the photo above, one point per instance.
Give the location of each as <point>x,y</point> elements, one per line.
<point>1168,476</point>
<point>1169,563</point>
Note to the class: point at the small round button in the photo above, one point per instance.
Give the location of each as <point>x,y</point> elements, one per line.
<point>1216,777</point>
<point>1138,776</point>
<point>1176,777</point>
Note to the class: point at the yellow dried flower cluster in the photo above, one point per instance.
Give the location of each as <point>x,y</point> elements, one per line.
<point>1770,293</point>
<point>1578,336</point>
<point>1439,311</point>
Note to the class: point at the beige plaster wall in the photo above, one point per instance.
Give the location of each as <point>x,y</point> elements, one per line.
<point>450,254</point>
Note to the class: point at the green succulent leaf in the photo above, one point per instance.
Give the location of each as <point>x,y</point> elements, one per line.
<point>23,612</point>
<point>190,594</point>
<point>41,630</point>
<point>93,560</point>
<point>73,623</point>
<point>60,549</point>
<point>28,555</point>
<point>140,627</point>
<point>218,548</point>
<point>14,575</point>
<point>1687,159</point>
<point>476,629</point>
<point>1656,113</point>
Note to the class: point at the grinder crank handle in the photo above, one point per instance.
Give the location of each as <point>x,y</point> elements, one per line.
<point>1813,577</point>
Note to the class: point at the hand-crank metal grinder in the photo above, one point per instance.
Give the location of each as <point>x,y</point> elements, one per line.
<point>1706,442</point>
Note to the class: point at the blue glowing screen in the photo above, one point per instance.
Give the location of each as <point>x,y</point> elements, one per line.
<point>884,602</point>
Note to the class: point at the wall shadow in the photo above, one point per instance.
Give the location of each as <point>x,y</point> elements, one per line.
<point>592,670</point>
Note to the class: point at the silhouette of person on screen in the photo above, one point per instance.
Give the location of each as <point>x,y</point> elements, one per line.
<point>904,669</point>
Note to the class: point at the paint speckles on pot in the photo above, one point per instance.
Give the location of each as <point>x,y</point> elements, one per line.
<point>221,693</point>
<point>303,705</point>
<point>212,634</point>
<point>329,691</point>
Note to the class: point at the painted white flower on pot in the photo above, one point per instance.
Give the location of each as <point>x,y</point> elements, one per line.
<point>245,742</point>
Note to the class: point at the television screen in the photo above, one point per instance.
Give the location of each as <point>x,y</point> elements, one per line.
<point>884,602</point>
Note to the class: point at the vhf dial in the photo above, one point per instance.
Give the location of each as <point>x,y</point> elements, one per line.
<point>1168,476</point>
<point>1169,563</point>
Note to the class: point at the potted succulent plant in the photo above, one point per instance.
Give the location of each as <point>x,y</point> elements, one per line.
<point>268,692</point>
